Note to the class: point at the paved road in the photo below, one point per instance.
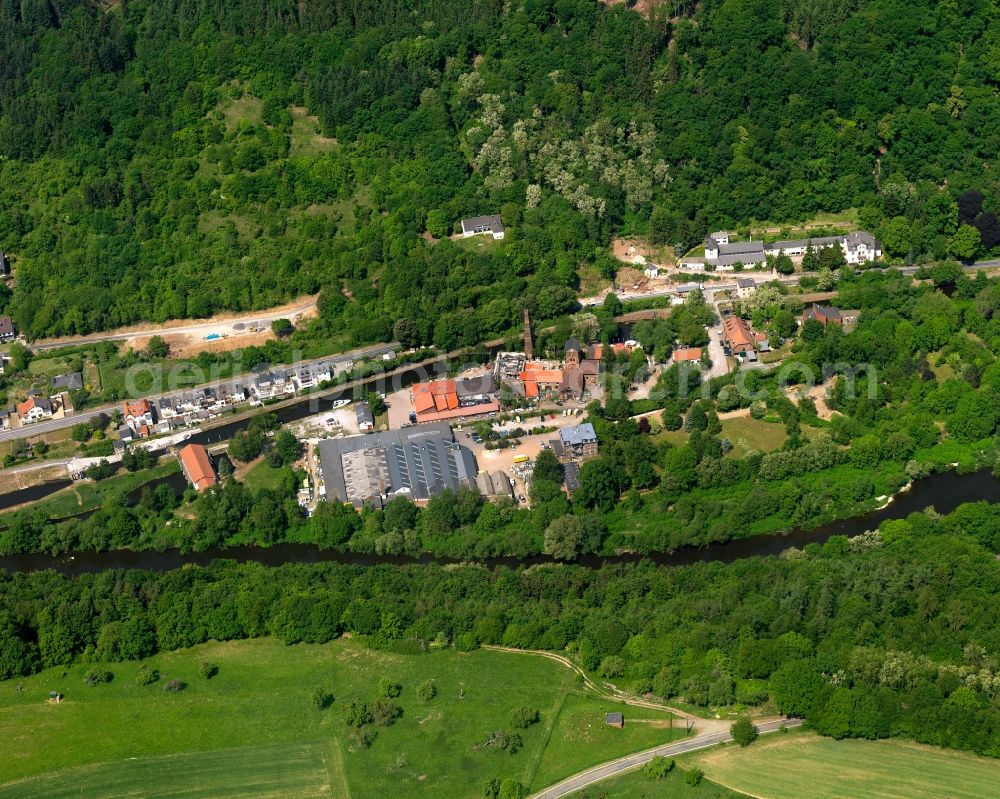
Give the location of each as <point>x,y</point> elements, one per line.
<point>51,425</point>
<point>615,767</point>
<point>198,329</point>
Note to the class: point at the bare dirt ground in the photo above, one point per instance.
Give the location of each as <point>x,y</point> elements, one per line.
<point>136,336</point>
<point>637,251</point>
<point>644,7</point>
<point>818,395</point>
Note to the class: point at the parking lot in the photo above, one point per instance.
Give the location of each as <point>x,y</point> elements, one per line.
<point>492,459</point>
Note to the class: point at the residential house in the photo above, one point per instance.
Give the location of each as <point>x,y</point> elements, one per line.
<point>651,271</point>
<point>824,314</point>
<point>861,248</point>
<point>575,443</point>
<point>139,416</point>
<point>483,225</point>
<point>7,330</point>
<point>745,287</point>
<point>737,333</point>
<point>363,413</point>
<point>197,467</point>
<point>68,382</point>
<point>34,409</point>
<point>687,354</point>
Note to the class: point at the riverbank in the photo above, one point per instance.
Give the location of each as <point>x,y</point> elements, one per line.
<point>944,491</point>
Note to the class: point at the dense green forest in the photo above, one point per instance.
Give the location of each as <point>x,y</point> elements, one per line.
<point>171,159</point>
<point>892,634</point>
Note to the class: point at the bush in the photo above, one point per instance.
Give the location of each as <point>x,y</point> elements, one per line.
<point>694,776</point>
<point>146,676</point>
<point>356,713</point>
<point>207,670</point>
<point>362,737</point>
<point>175,686</point>
<point>503,741</point>
<point>744,732</point>
<point>658,767</point>
<point>512,789</point>
<point>523,717</point>
<point>757,410</point>
<point>322,699</point>
<point>427,690</point>
<point>388,688</point>
<point>384,713</point>
<point>97,676</point>
<point>612,667</point>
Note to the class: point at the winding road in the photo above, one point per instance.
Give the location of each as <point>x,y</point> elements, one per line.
<point>613,768</point>
<point>711,732</point>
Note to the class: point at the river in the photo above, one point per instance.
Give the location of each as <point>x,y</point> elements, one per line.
<point>944,491</point>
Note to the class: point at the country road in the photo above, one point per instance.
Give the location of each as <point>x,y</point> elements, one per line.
<point>613,768</point>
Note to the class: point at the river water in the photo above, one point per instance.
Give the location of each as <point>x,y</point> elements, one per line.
<point>944,492</point>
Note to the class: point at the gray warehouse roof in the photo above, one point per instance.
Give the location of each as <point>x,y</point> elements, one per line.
<point>418,462</point>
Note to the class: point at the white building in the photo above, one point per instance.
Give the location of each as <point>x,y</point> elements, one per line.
<point>34,409</point>
<point>745,287</point>
<point>859,247</point>
<point>490,225</point>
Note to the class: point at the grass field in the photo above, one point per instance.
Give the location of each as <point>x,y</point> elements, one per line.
<point>636,785</point>
<point>745,433</point>
<point>805,766</point>
<point>252,731</point>
<point>260,475</point>
<point>580,738</point>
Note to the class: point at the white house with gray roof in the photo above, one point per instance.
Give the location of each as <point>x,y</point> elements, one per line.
<point>490,225</point>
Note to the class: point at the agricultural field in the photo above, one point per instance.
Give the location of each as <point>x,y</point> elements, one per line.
<point>637,785</point>
<point>253,729</point>
<point>804,766</point>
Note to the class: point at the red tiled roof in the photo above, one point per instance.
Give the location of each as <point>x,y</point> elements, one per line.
<point>530,388</point>
<point>435,396</point>
<point>137,408</point>
<point>737,333</point>
<point>687,354</point>
<point>197,466</point>
<point>544,376</point>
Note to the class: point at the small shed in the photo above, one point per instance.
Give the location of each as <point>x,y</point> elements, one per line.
<point>614,720</point>
<point>55,697</point>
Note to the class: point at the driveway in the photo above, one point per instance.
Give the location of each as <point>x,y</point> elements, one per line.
<point>720,366</point>
<point>615,767</point>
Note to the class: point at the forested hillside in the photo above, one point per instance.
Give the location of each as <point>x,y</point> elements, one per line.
<point>165,159</point>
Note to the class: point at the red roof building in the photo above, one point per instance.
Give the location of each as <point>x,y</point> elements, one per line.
<point>738,334</point>
<point>197,467</point>
<point>687,354</point>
